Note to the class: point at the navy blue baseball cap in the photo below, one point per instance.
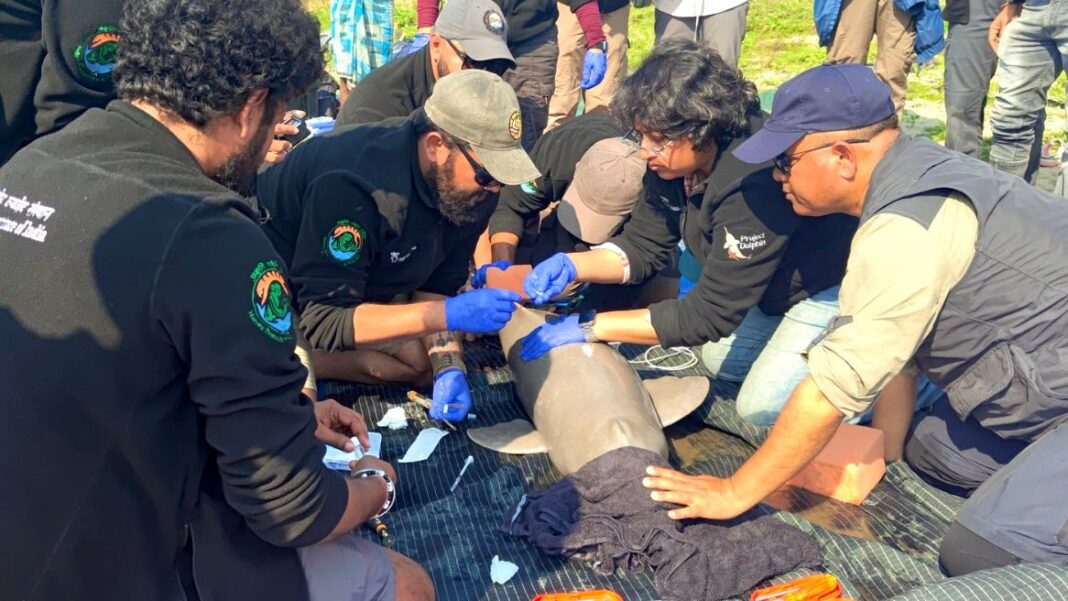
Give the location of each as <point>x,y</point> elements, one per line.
<point>824,98</point>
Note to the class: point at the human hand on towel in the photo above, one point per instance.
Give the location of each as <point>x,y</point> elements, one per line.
<point>338,424</point>
<point>479,279</point>
<point>594,66</point>
<point>480,311</point>
<point>546,337</point>
<point>452,396</point>
<point>549,278</point>
<point>700,496</point>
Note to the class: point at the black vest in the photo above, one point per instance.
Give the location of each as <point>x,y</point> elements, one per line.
<point>999,347</point>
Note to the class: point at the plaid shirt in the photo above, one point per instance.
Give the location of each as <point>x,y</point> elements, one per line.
<point>361,34</point>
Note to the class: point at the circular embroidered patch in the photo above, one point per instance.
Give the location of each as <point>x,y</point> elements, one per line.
<point>95,56</point>
<point>515,125</point>
<point>345,241</point>
<point>271,309</point>
<point>494,22</point>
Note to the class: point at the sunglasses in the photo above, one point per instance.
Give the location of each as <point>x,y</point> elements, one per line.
<point>482,177</point>
<point>784,161</point>
<point>496,66</point>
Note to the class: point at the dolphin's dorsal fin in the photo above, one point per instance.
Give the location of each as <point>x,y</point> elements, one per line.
<point>675,398</point>
<point>517,437</point>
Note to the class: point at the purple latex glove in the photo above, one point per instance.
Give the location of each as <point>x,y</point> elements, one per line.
<point>549,278</point>
<point>480,311</point>
<point>546,337</point>
<point>594,66</point>
<point>452,396</point>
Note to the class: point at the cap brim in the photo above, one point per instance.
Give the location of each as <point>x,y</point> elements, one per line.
<point>486,49</point>
<point>584,223</point>
<point>510,167</point>
<point>765,144</point>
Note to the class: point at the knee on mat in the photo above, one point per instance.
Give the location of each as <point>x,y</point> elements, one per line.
<point>413,582</point>
<point>963,552</point>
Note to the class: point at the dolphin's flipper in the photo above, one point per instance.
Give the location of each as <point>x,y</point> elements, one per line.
<point>517,437</point>
<point>675,398</point>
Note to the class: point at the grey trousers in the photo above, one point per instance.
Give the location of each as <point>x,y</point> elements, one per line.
<point>348,569</point>
<point>970,65</point>
<point>723,32</point>
<point>534,79</point>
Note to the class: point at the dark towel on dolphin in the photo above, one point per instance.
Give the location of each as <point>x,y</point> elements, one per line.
<point>603,514</point>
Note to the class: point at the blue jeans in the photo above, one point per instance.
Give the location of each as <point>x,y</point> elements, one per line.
<point>765,354</point>
<point>1031,54</point>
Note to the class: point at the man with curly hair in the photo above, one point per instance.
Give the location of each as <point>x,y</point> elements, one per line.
<point>155,434</point>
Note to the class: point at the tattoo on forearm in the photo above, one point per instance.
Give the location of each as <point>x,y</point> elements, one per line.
<point>444,352</point>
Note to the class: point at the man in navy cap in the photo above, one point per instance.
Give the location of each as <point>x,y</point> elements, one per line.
<point>958,272</point>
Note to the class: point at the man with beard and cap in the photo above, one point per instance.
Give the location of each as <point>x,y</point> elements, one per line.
<point>378,222</point>
<point>148,336</point>
<point>468,35</point>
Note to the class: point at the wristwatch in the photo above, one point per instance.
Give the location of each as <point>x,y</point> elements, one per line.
<point>586,319</point>
<point>391,491</point>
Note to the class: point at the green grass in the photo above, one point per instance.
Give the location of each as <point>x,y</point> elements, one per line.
<point>780,42</point>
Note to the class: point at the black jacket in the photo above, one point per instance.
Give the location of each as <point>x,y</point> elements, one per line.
<point>57,57</point>
<point>392,90</point>
<point>148,342</point>
<point>356,221</point>
<point>754,248</point>
<point>555,155</point>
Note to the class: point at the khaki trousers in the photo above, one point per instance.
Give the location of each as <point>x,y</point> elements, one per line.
<point>859,21</point>
<point>569,66</point>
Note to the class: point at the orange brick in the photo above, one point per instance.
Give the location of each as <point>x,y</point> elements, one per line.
<point>848,468</point>
<point>510,279</point>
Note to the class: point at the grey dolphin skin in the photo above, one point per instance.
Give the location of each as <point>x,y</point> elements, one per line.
<point>584,400</point>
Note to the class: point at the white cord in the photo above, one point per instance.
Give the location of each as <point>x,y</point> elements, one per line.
<point>647,360</point>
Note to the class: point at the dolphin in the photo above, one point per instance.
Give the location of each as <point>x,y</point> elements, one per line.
<point>585,400</point>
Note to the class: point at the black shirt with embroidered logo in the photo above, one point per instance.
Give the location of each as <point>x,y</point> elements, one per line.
<point>356,221</point>
<point>555,154</point>
<point>57,58</point>
<point>755,250</point>
<point>147,351</point>
<point>392,90</point>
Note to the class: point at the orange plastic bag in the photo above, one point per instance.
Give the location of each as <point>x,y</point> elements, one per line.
<point>821,587</point>
<point>599,595</point>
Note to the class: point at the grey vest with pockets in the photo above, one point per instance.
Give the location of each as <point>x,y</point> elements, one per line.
<point>999,347</point>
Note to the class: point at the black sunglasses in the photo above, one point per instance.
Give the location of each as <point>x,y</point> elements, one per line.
<point>496,66</point>
<point>784,161</point>
<point>482,177</point>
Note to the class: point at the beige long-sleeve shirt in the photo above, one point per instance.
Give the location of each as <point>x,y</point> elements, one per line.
<point>897,278</point>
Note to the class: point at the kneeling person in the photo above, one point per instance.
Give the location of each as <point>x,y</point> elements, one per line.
<point>590,181</point>
<point>378,223</point>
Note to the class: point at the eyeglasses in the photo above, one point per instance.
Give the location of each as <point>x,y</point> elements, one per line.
<point>482,177</point>
<point>496,66</point>
<point>784,161</point>
<point>635,137</point>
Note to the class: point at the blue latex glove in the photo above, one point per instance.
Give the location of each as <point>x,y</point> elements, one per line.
<point>412,46</point>
<point>594,66</point>
<point>452,397</point>
<point>549,278</point>
<point>480,311</point>
<point>479,279</point>
<point>546,337</point>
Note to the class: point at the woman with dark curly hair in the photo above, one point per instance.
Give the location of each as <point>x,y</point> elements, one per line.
<point>770,279</point>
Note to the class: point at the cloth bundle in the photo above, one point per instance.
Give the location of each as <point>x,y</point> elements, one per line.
<point>602,514</point>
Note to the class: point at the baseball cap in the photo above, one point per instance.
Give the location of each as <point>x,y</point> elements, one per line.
<point>479,26</point>
<point>606,186</point>
<point>824,98</point>
<point>479,108</point>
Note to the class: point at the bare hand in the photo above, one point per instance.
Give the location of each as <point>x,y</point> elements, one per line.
<point>1008,13</point>
<point>700,496</point>
<point>337,424</point>
<point>373,463</point>
<point>279,148</point>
